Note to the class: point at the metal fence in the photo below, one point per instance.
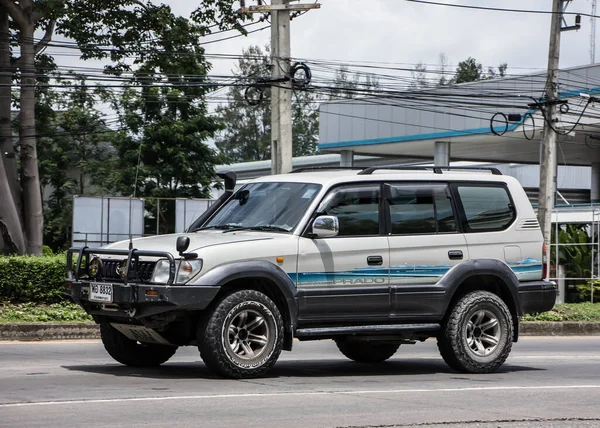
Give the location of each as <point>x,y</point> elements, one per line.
<point>101,220</point>
<point>574,251</point>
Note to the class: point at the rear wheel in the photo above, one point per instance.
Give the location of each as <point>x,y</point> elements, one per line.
<point>243,336</point>
<point>366,351</point>
<point>133,353</point>
<point>477,337</point>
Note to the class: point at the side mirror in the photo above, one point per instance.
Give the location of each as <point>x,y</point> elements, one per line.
<point>183,242</point>
<point>326,226</point>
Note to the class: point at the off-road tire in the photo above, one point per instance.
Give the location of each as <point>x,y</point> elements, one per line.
<point>131,352</point>
<point>459,336</point>
<point>366,351</point>
<point>224,340</point>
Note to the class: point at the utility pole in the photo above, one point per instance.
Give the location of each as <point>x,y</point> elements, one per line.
<point>593,34</point>
<point>548,153</point>
<point>281,81</point>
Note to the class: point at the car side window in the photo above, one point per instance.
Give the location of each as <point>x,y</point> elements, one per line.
<point>418,209</point>
<point>356,207</point>
<point>486,207</point>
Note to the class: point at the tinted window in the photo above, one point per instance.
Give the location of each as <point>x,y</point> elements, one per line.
<point>420,209</point>
<point>486,207</point>
<point>356,207</point>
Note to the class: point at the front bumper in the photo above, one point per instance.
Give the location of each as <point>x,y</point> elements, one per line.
<point>537,296</point>
<point>138,300</point>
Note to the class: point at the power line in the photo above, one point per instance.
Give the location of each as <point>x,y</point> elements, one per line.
<point>499,9</point>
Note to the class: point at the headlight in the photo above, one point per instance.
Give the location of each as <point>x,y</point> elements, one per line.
<point>184,270</point>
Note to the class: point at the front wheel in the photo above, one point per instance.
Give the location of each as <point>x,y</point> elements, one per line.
<point>477,337</point>
<point>243,336</point>
<point>363,351</point>
<point>132,353</point>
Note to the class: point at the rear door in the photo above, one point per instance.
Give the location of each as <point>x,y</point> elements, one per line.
<point>489,219</point>
<point>425,243</point>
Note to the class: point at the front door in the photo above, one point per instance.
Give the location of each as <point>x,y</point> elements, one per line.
<point>346,277</point>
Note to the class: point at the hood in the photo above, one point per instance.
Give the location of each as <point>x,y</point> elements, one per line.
<point>198,240</point>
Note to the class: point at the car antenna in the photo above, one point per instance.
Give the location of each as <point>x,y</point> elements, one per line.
<point>137,169</point>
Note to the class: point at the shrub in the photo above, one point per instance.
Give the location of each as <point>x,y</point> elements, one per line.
<point>584,291</point>
<point>33,279</point>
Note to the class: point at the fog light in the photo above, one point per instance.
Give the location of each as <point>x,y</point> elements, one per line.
<point>95,267</point>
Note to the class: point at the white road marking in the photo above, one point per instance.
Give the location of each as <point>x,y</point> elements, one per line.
<point>296,394</point>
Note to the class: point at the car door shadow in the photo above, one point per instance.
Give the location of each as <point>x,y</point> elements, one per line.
<point>301,369</point>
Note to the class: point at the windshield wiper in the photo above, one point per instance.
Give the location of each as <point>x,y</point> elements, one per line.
<point>268,228</point>
<point>217,227</point>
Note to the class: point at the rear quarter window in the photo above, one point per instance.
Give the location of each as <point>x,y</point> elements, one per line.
<point>486,207</point>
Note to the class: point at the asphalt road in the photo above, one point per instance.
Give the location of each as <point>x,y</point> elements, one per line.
<point>547,382</point>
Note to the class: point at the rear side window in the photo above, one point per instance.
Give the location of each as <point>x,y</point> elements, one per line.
<point>486,207</point>
<point>418,209</point>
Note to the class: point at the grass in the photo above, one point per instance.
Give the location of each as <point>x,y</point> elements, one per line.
<point>30,312</point>
<point>70,312</point>
<point>569,312</point>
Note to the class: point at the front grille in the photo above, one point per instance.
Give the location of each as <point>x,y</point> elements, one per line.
<point>140,271</point>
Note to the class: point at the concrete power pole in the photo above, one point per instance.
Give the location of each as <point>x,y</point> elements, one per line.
<point>593,34</point>
<point>281,93</point>
<point>548,155</point>
<point>281,86</point>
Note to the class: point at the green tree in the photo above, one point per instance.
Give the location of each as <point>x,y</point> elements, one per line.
<point>102,29</point>
<point>350,85</point>
<point>74,150</point>
<point>470,70</point>
<point>246,135</point>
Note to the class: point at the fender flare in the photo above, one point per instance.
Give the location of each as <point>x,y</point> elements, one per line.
<point>492,267</point>
<point>223,274</point>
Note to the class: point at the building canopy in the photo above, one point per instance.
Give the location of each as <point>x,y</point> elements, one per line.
<point>490,121</point>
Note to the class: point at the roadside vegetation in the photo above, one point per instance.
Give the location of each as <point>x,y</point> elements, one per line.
<point>32,290</point>
<point>569,312</point>
<point>31,312</point>
<point>69,312</point>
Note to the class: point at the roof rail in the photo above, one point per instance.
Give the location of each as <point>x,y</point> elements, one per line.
<point>435,169</point>
<point>326,168</point>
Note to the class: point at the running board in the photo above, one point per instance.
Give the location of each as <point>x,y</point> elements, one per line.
<point>365,329</point>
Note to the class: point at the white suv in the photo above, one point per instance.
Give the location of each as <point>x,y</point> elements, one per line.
<point>371,258</point>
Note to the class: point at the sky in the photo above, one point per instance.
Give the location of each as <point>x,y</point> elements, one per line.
<point>399,34</point>
<point>402,32</point>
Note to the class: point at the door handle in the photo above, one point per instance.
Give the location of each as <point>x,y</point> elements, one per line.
<point>374,260</point>
<point>455,255</point>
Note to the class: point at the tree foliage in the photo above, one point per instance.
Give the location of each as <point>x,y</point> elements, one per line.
<point>129,35</point>
<point>348,85</point>
<point>470,70</point>
<point>246,134</point>
<point>75,146</point>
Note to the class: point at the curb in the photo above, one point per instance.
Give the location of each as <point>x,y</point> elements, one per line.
<point>567,328</point>
<point>73,331</point>
<point>49,331</point>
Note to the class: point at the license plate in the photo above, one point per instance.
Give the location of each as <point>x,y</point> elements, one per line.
<point>101,293</point>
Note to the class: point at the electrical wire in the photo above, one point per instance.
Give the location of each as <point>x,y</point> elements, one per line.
<point>499,9</point>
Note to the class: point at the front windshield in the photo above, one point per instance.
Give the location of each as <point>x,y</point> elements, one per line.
<point>265,206</point>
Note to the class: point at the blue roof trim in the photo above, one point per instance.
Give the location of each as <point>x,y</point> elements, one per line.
<point>417,137</point>
<point>446,134</point>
